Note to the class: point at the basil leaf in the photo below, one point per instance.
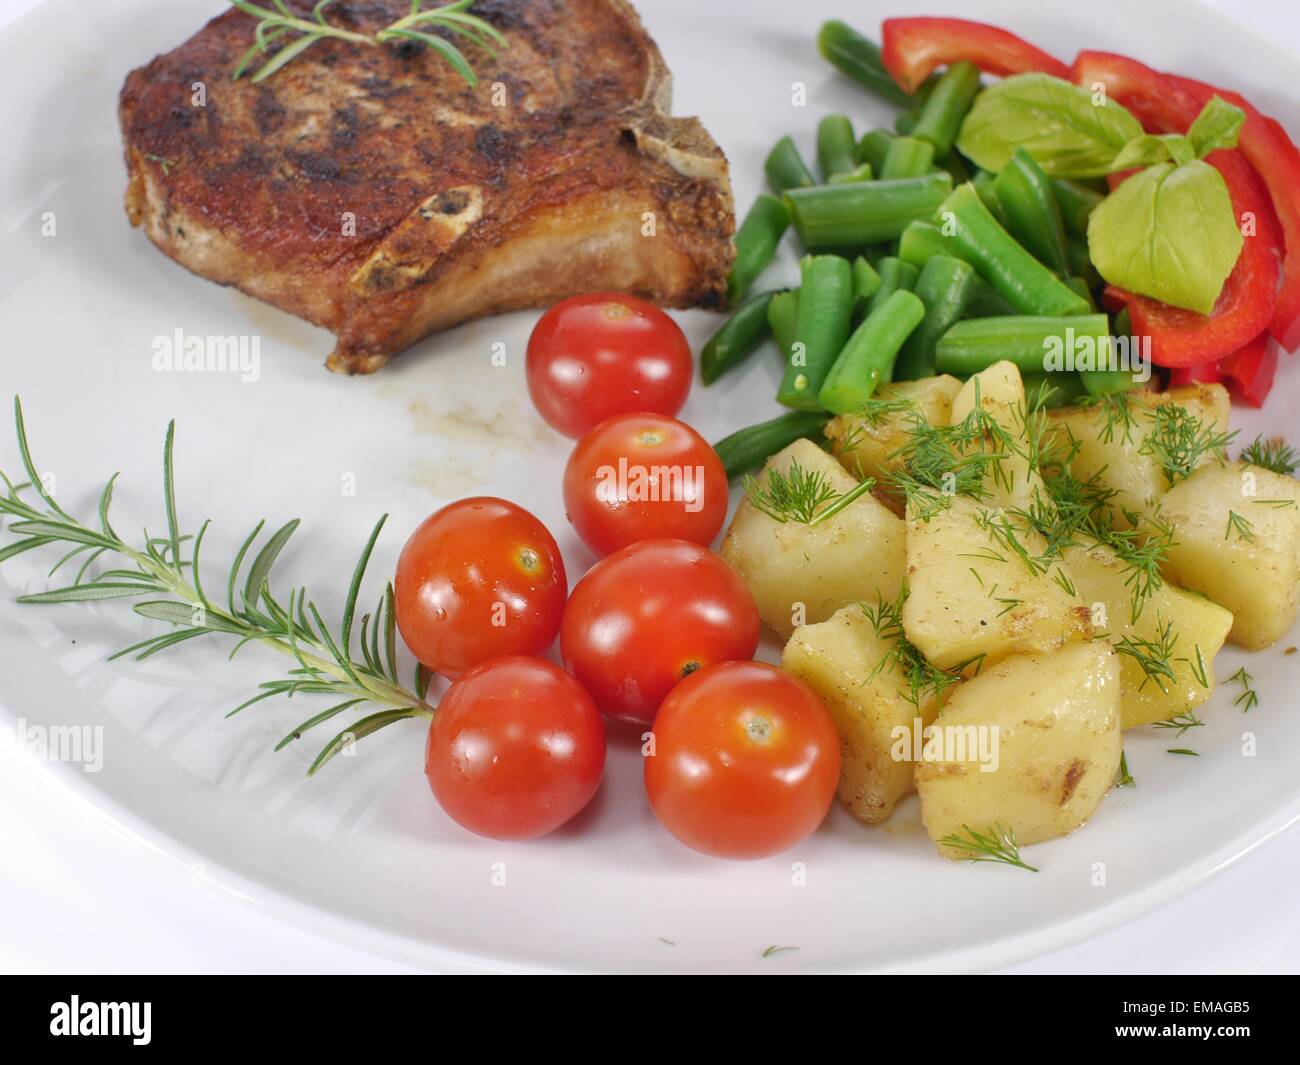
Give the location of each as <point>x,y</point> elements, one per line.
<point>1059,124</point>
<point>1152,148</point>
<point>1217,126</point>
<point>1170,233</point>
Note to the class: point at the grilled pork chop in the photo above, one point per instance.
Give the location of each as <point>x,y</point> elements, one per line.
<point>371,191</point>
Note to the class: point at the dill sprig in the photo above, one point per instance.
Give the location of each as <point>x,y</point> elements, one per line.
<point>165,575</point>
<point>1249,698</point>
<point>1123,778</point>
<point>801,495</point>
<point>299,34</point>
<point>1178,440</point>
<point>1241,525</point>
<point>996,844</point>
<point>1183,721</point>
<point>924,680</point>
<point>1154,656</point>
<point>1274,454</point>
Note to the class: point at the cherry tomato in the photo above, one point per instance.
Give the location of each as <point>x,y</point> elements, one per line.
<point>480,578</point>
<point>515,749</point>
<point>644,477</point>
<point>591,357</point>
<point>746,761</point>
<point>649,615</point>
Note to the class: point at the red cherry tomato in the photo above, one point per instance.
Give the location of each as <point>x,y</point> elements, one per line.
<point>515,749</point>
<point>649,615</point>
<point>480,578</point>
<point>746,761</point>
<point>591,357</point>
<point>644,477</point>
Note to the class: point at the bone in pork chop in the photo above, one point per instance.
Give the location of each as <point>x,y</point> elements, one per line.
<point>371,191</point>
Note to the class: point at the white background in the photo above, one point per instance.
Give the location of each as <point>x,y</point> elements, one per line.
<point>76,896</point>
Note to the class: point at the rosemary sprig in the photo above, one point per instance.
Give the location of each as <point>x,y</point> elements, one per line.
<point>1274,454</point>
<point>281,24</point>
<point>997,844</point>
<point>801,495</point>
<point>165,575</point>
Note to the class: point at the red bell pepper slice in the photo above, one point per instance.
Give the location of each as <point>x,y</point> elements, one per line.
<point>1205,374</point>
<point>1169,104</point>
<point>1250,370</point>
<point>1245,306</point>
<point>911,49</point>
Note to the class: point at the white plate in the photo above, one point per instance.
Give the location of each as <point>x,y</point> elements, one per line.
<point>362,852</point>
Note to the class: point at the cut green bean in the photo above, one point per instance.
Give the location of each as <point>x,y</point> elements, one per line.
<point>783,320</point>
<point>956,167</point>
<point>986,302</point>
<point>983,182</point>
<point>920,242</point>
<point>944,287</point>
<point>868,358</point>
<point>825,314</point>
<point>858,58</point>
<point>1029,206</point>
<point>873,147</point>
<point>849,216</point>
<point>905,121</point>
<point>1024,282</point>
<point>786,169</point>
<point>1080,261</point>
<point>861,172</point>
<point>895,276</point>
<point>1035,344</point>
<point>866,283</point>
<point>837,150</point>
<point>756,243</point>
<point>1080,288</point>
<point>1105,381</point>
<point>739,337</point>
<point>747,449</point>
<point>1047,391</point>
<point>908,157</point>
<point>1076,203</point>
<point>942,114</point>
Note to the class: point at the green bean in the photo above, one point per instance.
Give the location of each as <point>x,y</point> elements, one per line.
<point>756,242</point>
<point>944,287</point>
<point>1048,390</point>
<point>1033,343</point>
<point>1029,206</point>
<point>1021,279</point>
<point>837,150</point>
<point>1076,202</point>
<point>747,449</point>
<point>783,320</point>
<point>859,58</point>
<point>1105,382</point>
<point>905,121</point>
<point>868,358</point>
<point>983,182</point>
<point>1080,288</point>
<point>866,283</point>
<point>1080,261</point>
<point>956,167</point>
<point>986,302</point>
<point>895,276</point>
<point>942,114</point>
<point>861,172</point>
<point>849,216</point>
<point>920,242</point>
<point>737,339</point>
<point>908,157</point>
<point>786,169</point>
<point>825,313</point>
<point>873,147</point>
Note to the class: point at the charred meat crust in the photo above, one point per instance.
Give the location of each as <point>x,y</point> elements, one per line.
<point>372,192</point>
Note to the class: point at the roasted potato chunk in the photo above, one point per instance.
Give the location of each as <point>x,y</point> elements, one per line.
<point>849,664</point>
<point>1013,482</point>
<point>1053,724</point>
<point>802,574</point>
